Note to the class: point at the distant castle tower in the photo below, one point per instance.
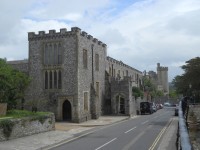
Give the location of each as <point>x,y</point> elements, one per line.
<point>162,75</point>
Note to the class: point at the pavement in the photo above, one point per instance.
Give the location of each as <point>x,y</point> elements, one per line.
<point>66,131</point>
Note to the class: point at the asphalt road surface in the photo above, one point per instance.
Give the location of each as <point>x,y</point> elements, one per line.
<point>141,133</point>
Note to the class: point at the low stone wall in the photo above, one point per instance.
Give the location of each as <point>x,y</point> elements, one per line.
<point>15,128</point>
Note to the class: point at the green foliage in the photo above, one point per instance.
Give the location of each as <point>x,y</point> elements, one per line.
<point>137,92</point>
<point>173,94</point>
<point>23,113</point>
<point>7,126</point>
<point>190,77</point>
<point>12,84</point>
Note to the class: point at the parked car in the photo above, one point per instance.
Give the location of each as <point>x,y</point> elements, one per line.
<point>154,107</point>
<point>146,107</point>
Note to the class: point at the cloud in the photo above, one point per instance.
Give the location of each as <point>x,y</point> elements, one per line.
<point>141,33</point>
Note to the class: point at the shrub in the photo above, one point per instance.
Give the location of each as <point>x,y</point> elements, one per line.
<point>7,126</point>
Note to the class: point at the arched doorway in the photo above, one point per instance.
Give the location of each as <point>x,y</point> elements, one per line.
<point>67,111</point>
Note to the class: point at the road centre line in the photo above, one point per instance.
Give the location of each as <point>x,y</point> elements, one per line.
<point>130,129</point>
<point>145,122</point>
<point>105,144</point>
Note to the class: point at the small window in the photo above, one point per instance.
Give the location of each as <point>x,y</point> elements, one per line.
<point>97,62</point>
<point>86,101</point>
<point>85,59</point>
<point>97,89</point>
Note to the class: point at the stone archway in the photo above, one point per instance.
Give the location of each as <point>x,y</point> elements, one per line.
<point>67,111</point>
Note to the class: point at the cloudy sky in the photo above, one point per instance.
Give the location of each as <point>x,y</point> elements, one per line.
<point>140,33</point>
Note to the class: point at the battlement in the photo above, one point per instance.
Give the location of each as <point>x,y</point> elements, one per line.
<point>160,68</point>
<point>112,60</point>
<point>63,33</point>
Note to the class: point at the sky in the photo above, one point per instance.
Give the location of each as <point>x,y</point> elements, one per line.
<point>140,33</point>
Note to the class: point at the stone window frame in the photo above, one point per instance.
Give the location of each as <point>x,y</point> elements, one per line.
<point>50,75</point>
<point>97,88</point>
<point>96,62</point>
<point>52,53</point>
<point>86,100</point>
<point>85,58</point>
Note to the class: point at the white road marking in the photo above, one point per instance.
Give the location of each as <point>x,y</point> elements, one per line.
<point>130,129</point>
<point>105,144</point>
<point>145,122</point>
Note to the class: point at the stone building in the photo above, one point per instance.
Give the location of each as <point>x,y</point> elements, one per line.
<point>121,78</point>
<point>73,77</point>
<point>162,74</point>
<point>160,79</point>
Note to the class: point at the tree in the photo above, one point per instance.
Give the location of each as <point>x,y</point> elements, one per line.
<point>189,81</point>
<point>137,92</point>
<point>12,84</point>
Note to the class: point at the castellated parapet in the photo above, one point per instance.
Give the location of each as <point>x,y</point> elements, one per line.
<point>160,68</point>
<point>62,34</point>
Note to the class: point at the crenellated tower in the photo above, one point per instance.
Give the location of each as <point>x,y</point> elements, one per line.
<point>162,79</point>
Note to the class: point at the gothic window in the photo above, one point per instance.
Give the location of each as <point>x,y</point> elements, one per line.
<point>85,101</point>
<point>55,79</point>
<point>85,59</point>
<point>46,80</point>
<point>59,80</point>
<point>46,54</point>
<point>50,79</point>
<point>114,72</point>
<point>59,54</point>
<point>52,54</point>
<point>55,54</point>
<point>97,62</point>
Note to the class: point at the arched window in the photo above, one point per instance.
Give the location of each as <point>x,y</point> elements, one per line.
<point>55,80</point>
<point>59,79</point>
<point>50,80</point>
<point>46,80</point>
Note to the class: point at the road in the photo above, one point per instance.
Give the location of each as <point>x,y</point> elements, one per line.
<point>141,133</point>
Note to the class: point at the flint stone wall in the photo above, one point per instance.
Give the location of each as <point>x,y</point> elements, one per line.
<point>28,126</point>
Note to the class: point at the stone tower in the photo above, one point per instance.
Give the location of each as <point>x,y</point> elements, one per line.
<point>162,79</point>
<point>68,73</point>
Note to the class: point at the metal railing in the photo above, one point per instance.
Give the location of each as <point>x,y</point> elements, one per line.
<point>183,141</point>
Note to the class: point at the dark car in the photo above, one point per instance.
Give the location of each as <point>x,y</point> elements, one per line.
<point>146,107</point>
